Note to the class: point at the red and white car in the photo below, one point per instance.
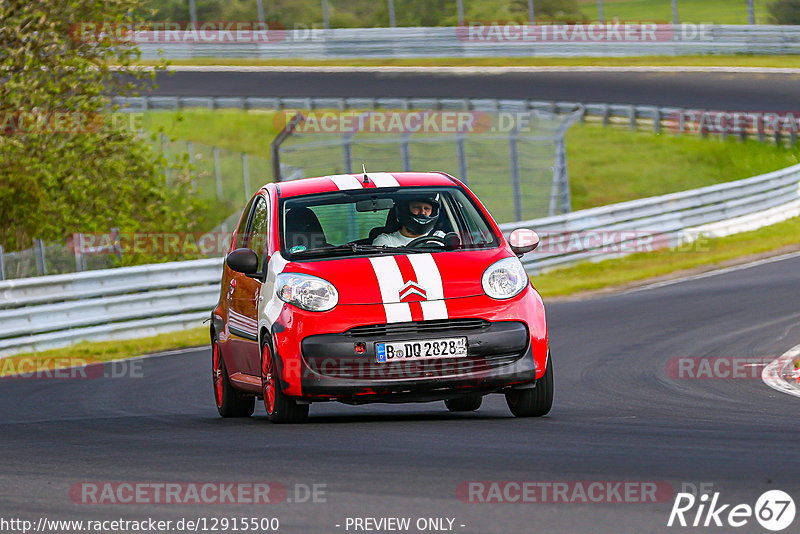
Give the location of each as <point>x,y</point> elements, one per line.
<point>312,309</point>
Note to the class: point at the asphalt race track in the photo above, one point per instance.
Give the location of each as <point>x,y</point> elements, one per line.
<point>619,415</point>
<point>701,90</point>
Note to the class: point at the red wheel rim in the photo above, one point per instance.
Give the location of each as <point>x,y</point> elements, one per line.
<point>268,380</point>
<point>216,375</point>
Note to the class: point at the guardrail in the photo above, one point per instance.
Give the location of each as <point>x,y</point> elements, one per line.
<point>634,117</point>
<point>664,221</point>
<point>492,40</point>
<point>51,311</point>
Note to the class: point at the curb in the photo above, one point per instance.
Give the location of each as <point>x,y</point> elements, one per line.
<point>783,373</point>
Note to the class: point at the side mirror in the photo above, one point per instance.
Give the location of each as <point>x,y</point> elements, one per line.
<point>523,240</point>
<point>243,260</point>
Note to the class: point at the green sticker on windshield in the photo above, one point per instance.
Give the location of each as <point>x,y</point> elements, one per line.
<point>296,249</point>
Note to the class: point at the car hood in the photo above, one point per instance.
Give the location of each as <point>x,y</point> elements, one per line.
<point>404,277</point>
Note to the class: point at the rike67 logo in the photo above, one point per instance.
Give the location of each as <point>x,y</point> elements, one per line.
<point>774,510</point>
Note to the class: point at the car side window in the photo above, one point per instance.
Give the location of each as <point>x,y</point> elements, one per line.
<point>241,231</point>
<point>258,229</point>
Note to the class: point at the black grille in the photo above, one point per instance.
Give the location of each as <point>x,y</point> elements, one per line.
<point>420,327</point>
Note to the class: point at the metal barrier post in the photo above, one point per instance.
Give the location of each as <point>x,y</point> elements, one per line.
<point>246,177</point>
<point>38,253</point>
<point>462,159</point>
<point>218,172</point>
<point>275,146</point>
<point>406,153</point>
<point>77,249</point>
<point>515,185</point>
<point>166,157</point>
<point>190,151</point>
<point>347,153</point>
<point>2,264</point>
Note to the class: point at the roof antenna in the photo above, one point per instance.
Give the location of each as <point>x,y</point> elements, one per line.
<point>364,170</point>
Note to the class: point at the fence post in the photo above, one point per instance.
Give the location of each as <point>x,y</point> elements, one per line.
<point>392,17</point>
<point>275,145</point>
<point>218,172</point>
<point>166,157</point>
<point>38,253</point>
<point>406,153</point>
<point>515,184</point>
<point>462,159</point>
<point>326,23</point>
<point>632,118</point>
<point>246,177</point>
<point>347,153</point>
<point>563,202</point>
<point>2,264</point>
<point>606,114</point>
<point>657,120</point>
<point>190,151</point>
<point>77,246</point>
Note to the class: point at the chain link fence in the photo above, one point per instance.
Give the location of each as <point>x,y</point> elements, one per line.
<point>516,163</point>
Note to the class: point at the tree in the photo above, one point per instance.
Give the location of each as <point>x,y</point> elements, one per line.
<point>76,169</point>
<point>784,12</point>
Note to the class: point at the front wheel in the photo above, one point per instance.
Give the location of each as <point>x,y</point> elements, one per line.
<point>280,408</point>
<point>230,403</point>
<point>536,401</point>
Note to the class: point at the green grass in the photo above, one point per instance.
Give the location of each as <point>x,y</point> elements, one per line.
<point>89,352</point>
<point>705,253</point>
<point>694,11</point>
<point>628,61</point>
<point>609,165</point>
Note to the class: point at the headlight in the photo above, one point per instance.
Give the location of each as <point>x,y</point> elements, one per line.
<point>306,292</point>
<point>504,278</point>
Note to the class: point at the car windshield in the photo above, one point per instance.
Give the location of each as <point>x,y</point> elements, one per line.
<point>363,222</point>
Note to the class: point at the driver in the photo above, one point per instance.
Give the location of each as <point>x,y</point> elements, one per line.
<point>417,217</point>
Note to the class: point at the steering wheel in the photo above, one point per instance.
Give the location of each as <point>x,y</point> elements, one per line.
<point>424,239</point>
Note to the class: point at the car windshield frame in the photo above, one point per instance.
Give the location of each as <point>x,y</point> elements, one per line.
<point>346,250</point>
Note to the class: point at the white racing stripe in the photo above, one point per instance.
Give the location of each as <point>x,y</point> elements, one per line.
<point>390,280</point>
<point>345,181</point>
<point>429,277</point>
<point>383,179</point>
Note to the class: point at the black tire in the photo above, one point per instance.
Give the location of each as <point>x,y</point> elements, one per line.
<point>536,401</point>
<point>470,403</point>
<point>280,408</point>
<point>230,402</point>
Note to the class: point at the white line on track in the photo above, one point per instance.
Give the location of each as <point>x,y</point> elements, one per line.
<point>475,69</point>
<point>772,375</point>
<point>709,274</point>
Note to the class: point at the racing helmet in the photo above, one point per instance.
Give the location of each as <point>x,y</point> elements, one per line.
<point>417,224</point>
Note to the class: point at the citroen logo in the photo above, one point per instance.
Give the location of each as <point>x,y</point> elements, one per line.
<point>412,288</point>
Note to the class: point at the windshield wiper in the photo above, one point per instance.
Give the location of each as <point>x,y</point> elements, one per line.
<point>355,248</point>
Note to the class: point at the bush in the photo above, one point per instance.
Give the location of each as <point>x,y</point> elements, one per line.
<point>85,176</point>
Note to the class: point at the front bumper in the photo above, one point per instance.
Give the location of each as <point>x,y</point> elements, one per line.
<point>507,345</point>
<point>498,355</point>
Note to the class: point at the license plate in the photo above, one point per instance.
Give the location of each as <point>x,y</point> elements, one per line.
<point>453,347</point>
